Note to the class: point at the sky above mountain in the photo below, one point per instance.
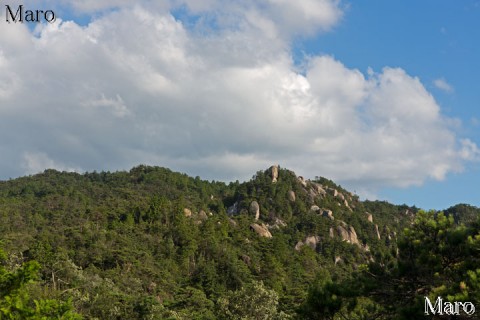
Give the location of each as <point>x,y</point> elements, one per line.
<point>380,97</point>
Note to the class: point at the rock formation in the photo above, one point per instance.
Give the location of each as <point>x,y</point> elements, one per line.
<point>187,212</point>
<point>377,232</point>
<point>369,217</point>
<point>261,230</point>
<point>302,181</point>
<point>274,172</point>
<point>347,234</point>
<point>291,196</point>
<point>328,214</point>
<point>333,192</point>
<point>310,241</point>
<point>255,209</point>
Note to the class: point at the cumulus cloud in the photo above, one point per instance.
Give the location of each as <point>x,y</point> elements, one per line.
<point>443,85</point>
<point>138,85</point>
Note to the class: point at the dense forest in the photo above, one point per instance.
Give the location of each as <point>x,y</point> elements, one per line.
<point>155,244</point>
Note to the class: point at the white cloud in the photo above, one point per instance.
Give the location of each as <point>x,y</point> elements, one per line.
<point>35,162</point>
<point>138,86</point>
<point>443,85</point>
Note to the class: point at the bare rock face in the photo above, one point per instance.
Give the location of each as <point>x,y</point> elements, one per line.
<point>369,217</point>
<point>343,233</point>
<point>348,234</point>
<point>302,181</point>
<point>311,241</point>
<point>291,196</point>
<point>353,235</point>
<point>274,173</point>
<point>261,230</point>
<point>187,212</point>
<point>340,196</point>
<point>331,233</point>
<point>377,232</point>
<point>255,209</point>
<point>318,189</point>
<point>333,192</point>
<point>328,214</point>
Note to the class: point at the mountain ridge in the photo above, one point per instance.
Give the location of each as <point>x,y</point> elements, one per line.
<point>149,239</point>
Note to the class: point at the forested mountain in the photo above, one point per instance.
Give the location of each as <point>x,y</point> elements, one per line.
<point>155,244</point>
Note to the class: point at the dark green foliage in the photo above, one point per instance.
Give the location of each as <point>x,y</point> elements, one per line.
<point>123,246</point>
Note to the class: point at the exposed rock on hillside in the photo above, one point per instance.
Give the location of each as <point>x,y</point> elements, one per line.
<point>328,214</point>
<point>255,209</point>
<point>333,192</point>
<point>291,196</point>
<point>274,173</point>
<point>369,217</point>
<point>310,241</point>
<point>187,212</point>
<point>318,189</point>
<point>377,232</point>
<point>302,181</point>
<point>261,230</point>
<point>346,233</point>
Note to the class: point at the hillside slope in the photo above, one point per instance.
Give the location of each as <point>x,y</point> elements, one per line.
<point>152,244</point>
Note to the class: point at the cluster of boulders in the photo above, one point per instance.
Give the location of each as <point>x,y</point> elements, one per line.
<point>261,230</point>
<point>311,241</point>
<point>345,232</point>
<point>198,217</point>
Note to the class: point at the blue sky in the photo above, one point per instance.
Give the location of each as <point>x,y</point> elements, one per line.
<point>379,96</point>
<point>432,40</point>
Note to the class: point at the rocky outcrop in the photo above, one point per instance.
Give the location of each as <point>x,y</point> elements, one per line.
<point>255,209</point>
<point>343,233</point>
<point>302,181</point>
<point>377,232</point>
<point>340,196</point>
<point>291,196</point>
<point>347,234</point>
<point>311,241</point>
<point>314,208</point>
<point>333,192</point>
<point>345,202</point>
<point>261,230</point>
<point>328,214</point>
<point>318,189</point>
<point>274,173</point>
<point>187,212</point>
<point>353,235</point>
<point>369,217</point>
